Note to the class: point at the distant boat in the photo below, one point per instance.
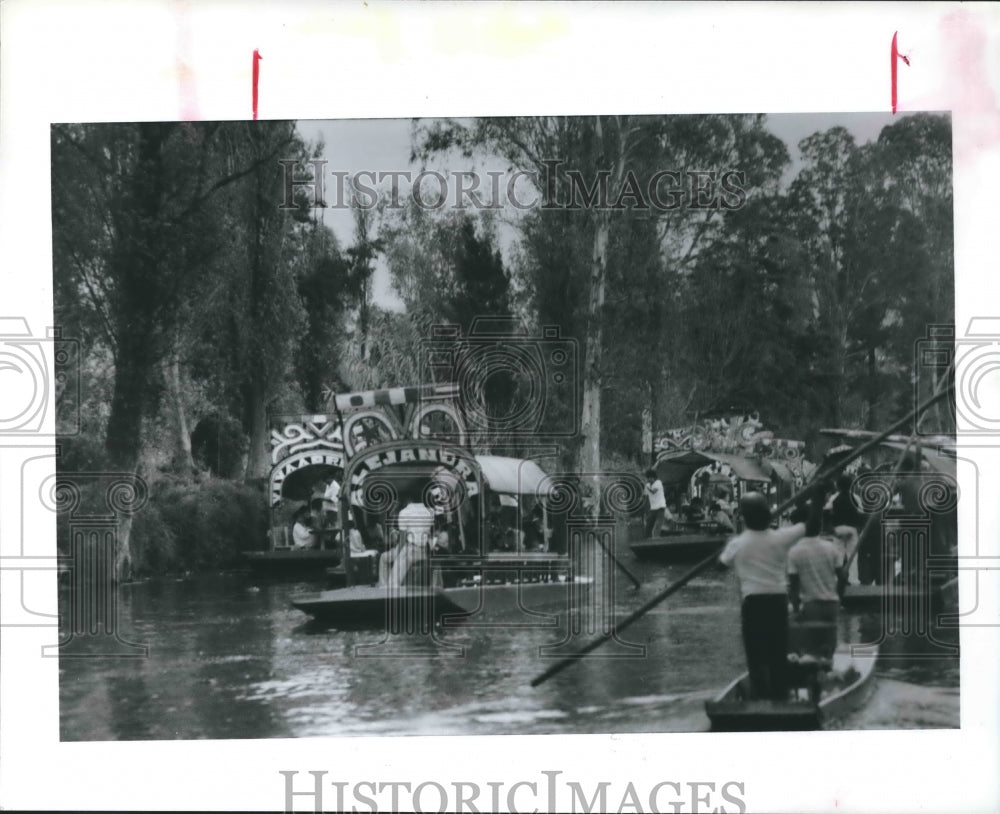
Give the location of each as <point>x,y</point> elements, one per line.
<point>835,693</point>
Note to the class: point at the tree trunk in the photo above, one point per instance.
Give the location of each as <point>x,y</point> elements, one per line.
<point>124,433</point>
<point>257,456</point>
<point>871,419</point>
<point>590,414</point>
<point>183,460</point>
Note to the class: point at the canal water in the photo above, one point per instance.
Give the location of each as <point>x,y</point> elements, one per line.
<point>229,657</point>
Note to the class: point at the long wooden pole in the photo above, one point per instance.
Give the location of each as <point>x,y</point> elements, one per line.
<point>618,563</point>
<point>817,483</point>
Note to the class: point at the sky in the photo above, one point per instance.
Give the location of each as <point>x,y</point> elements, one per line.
<point>383,145</point>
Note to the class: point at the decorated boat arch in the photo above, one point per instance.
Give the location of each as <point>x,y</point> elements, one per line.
<point>729,455</point>
<point>389,449</point>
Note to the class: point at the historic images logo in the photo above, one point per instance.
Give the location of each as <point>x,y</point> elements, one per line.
<point>663,190</point>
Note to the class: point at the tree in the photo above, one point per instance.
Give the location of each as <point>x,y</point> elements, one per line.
<point>594,174</point>
<point>448,273</point>
<point>138,213</point>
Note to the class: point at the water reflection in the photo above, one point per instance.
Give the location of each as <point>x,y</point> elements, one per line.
<point>230,658</point>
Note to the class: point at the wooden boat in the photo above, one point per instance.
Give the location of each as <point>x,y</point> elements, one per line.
<point>402,607</point>
<point>287,563</point>
<point>834,694</point>
<point>679,547</point>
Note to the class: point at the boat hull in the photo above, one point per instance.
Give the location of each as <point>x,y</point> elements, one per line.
<point>734,711</point>
<point>284,564</point>
<point>410,607</point>
<point>678,548</point>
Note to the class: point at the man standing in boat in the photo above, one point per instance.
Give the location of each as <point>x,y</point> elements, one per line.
<point>760,557</point>
<point>657,504</point>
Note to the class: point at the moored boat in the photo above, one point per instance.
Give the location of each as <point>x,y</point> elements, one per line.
<point>678,547</point>
<point>399,607</point>
<point>288,563</point>
<point>841,689</point>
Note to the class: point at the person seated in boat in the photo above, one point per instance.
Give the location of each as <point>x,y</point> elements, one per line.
<point>531,529</point>
<point>303,534</point>
<point>759,556</point>
<point>693,511</point>
<point>817,574</point>
<point>718,516</point>
<point>355,542</point>
<point>323,527</point>
<point>722,497</point>
<point>495,532</point>
<point>376,537</point>
<point>444,542</point>
<point>513,539</point>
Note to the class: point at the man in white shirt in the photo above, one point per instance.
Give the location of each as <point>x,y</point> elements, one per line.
<point>415,523</point>
<point>760,557</point>
<point>657,504</point>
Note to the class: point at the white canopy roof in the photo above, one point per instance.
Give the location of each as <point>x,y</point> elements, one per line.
<point>512,476</point>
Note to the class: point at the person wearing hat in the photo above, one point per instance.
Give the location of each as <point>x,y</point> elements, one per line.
<point>759,555</point>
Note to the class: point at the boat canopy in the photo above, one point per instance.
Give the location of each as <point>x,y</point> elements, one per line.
<point>512,476</point>
<point>938,460</point>
<point>678,466</point>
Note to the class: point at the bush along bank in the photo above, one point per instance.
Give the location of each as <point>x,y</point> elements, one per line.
<point>185,525</point>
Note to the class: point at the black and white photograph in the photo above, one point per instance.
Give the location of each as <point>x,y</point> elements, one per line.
<point>496,440</point>
<point>399,435</point>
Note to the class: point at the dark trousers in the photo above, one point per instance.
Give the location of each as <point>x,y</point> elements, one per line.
<point>765,639</point>
<point>654,522</point>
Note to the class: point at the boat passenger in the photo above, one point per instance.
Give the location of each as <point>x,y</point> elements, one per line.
<point>355,541</point>
<point>817,574</point>
<point>847,522</point>
<point>760,557</point>
<point>331,493</point>
<point>303,534</point>
<point>693,511</point>
<point>376,537</point>
<point>718,516</point>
